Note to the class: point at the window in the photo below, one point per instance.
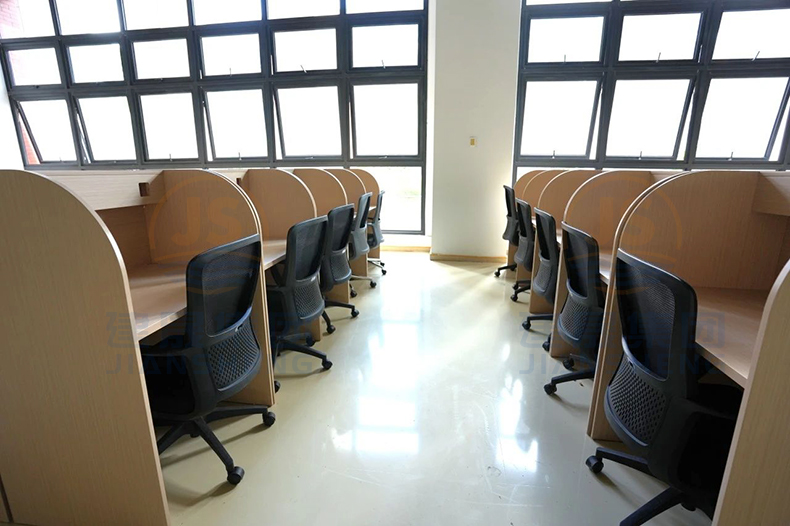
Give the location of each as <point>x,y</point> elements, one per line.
<point>753,35</point>
<point>161,59</point>
<point>301,8</point>
<point>214,12</point>
<point>88,16</point>
<point>34,67</point>
<point>402,208</point>
<point>237,124</point>
<point>386,119</point>
<point>305,50</point>
<point>149,14</point>
<point>310,120</point>
<point>26,19</point>
<point>231,55</point>
<point>50,129</point>
<point>739,117</point>
<point>108,124</point>
<point>646,117</point>
<point>169,125</point>
<point>558,118</point>
<point>645,37</point>
<point>100,63</point>
<point>565,39</point>
<point>378,6</point>
<point>544,2</point>
<point>386,46</point>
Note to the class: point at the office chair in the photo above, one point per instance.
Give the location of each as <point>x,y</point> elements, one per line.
<point>375,237</point>
<point>334,267</point>
<point>358,245</point>
<point>678,428</point>
<point>511,228</point>
<point>526,245</point>
<point>296,300</point>
<point>188,374</point>
<point>545,282</point>
<point>581,317</point>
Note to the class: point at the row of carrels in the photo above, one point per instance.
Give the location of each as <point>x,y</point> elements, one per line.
<point>92,264</point>
<point>727,234</point>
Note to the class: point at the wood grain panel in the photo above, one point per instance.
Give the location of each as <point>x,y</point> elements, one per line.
<point>105,190</point>
<point>370,182</point>
<point>353,185</point>
<point>327,191</point>
<point>522,182</point>
<point>71,360</point>
<point>536,185</point>
<point>130,231</point>
<point>555,196</point>
<point>281,200</point>
<point>773,194</point>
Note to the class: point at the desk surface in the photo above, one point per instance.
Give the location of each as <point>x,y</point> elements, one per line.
<point>159,293</point>
<point>605,265</point>
<point>728,321</point>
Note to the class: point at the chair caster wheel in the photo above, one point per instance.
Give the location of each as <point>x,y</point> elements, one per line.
<point>514,298</point>
<point>326,364</point>
<point>515,287</point>
<point>546,346</point>
<point>354,294</point>
<point>383,272</point>
<point>354,313</point>
<point>276,386</point>
<point>330,329</point>
<point>269,419</point>
<point>688,506</point>
<point>595,464</point>
<point>568,363</point>
<point>527,325</point>
<point>373,284</point>
<point>550,389</point>
<point>235,475</point>
<point>497,274</point>
<point>310,342</point>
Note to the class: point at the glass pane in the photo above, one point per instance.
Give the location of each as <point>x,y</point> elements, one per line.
<point>151,14</point>
<point>402,207</point>
<point>109,126</point>
<point>169,126</point>
<point>387,121</point>
<point>557,118</point>
<point>379,6</point>
<point>544,2</point>
<point>386,46</point>
<point>659,37</point>
<point>161,59</point>
<point>302,8</point>
<point>311,121</point>
<point>51,129</point>
<point>231,55</point>
<point>96,63</point>
<point>646,117</point>
<point>88,16</point>
<point>565,39</point>
<point>753,34</point>
<point>214,12</point>
<point>34,67</point>
<point>25,19</point>
<point>236,137</point>
<point>305,50</point>
<point>739,117</point>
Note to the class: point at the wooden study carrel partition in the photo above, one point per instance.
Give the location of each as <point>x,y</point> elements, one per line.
<point>91,265</point>
<point>727,234</point>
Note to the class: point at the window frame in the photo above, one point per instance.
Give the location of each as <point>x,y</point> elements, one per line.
<point>699,70</point>
<point>199,85</point>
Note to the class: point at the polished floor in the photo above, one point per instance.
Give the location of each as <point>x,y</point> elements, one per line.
<point>433,414</point>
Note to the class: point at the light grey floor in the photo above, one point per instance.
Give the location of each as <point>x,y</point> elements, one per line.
<point>433,414</point>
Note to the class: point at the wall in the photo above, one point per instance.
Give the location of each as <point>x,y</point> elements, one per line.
<point>9,146</point>
<point>474,73</point>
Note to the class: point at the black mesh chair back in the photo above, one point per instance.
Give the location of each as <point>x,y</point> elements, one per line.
<point>526,235</point>
<point>654,402</point>
<point>511,228</point>
<point>297,299</point>
<point>219,353</point>
<point>375,237</point>
<point>545,281</point>
<point>581,317</point>
<point>335,269</point>
<point>359,233</point>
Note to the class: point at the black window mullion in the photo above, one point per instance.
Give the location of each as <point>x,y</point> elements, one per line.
<point>83,131</point>
<point>778,122</point>
<point>20,110</point>
<point>684,118</point>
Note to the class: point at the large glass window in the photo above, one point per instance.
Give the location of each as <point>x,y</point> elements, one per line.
<point>26,19</point>
<point>301,8</point>
<point>386,119</point>
<point>214,12</point>
<point>149,14</point>
<point>88,16</point>
<point>751,35</point>
<point>169,122</point>
<point>34,67</point>
<point>565,39</point>
<point>100,63</point>
<point>402,209</point>
<point>386,46</point>
<point>378,6</point>
<point>305,51</point>
<point>161,59</point>
<point>231,55</point>
<point>50,128</point>
<point>645,37</point>
<point>108,123</point>
<point>310,120</point>
<point>237,124</point>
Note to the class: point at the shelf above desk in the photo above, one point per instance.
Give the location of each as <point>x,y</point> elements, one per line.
<point>728,323</point>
